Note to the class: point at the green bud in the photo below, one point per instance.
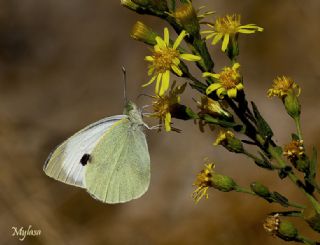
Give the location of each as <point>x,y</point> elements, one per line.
<point>234,145</point>
<point>158,5</point>
<point>260,189</point>
<point>143,33</point>
<point>292,105</point>
<point>287,231</point>
<point>222,182</point>
<point>186,16</point>
<point>229,141</point>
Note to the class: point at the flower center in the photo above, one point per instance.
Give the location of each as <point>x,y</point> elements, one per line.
<point>163,59</point>
<point>161,106</point>
<point>228,24</point>
<point>229,78</point>
<point>283,84</point>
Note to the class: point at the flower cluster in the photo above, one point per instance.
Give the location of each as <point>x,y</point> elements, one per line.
<point>224,105</point>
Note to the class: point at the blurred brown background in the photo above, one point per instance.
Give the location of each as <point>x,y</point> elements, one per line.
<point>60,69</point>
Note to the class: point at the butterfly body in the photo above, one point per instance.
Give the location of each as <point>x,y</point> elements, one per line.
<point>109,158</point>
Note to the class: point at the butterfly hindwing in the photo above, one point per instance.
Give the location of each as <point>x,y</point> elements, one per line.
<point>119,168</point>
<point>66,162</point>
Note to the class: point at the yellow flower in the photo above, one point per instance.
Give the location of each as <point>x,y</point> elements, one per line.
<point>166,58</point>
<point>223,137</point>
<point>282,86</point>
<point>162,105</point>
<point>229,82</point>
<point>203,182</point>
<point>212,107</point>
<point>294,150</point>
<point>272,223</point>
<point>227,27</point>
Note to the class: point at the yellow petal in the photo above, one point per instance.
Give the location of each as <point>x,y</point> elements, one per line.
<point>166,36</point>
<point>225,42</point>
<point>176,70</point>
<point>156,48</point>
<point>246,31</point>
<point>209,74</point>
<point>179,39</point>
<point>176,61</point>
<point>210,36</point>
<point>240,86</point>
<point>151,81</point>
<point>232,93</point>
<point>149,58</point>
<point>216,39</point>
<point>167,122</point>
<point>236,66</point>
<point>220,91</point>
<point>150,71</point>
<point>190,57</point>
<point>165,83</point>
<point>213,87</point>
<point>160,43</point>
<point>207,32</point>
<point>158,83</point>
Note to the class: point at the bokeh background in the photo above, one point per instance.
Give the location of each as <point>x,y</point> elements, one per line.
<point>60,69</point>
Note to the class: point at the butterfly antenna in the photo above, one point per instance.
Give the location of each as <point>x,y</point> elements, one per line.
<point>125,85</point>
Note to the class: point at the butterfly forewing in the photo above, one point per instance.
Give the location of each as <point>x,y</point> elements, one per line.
<point>64,163</point>
<point>119,168</point>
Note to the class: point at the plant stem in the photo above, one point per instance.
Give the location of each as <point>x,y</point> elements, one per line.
<point>298,125</point>
<point>306,240</point>
<point>294,179</point>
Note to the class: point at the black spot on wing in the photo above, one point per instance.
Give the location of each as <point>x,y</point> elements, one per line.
<point>85,159</point>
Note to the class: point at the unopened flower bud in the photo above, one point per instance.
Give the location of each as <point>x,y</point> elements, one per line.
<point>260,189</point>
<point>222,182</point>
<point>143,33</point>
<point>292,105</point>
<point>187,17</point>
<point>229,141</point>
<point>287,231</point>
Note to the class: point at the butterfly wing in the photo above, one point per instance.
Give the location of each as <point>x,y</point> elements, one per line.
<point>63,163</point>
<point>119,170</point>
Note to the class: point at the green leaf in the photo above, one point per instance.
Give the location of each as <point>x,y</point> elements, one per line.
<point>191,113</point>
<point>282,200</point>
<point>220,122</point>
<point>264,162</point>
<point>283,172</point>
<point>263,127</point>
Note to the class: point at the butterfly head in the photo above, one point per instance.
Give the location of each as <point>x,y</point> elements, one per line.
<point>133,112</point>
